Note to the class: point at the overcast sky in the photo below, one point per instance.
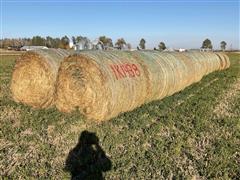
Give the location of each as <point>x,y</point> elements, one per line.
<point>180,24</point>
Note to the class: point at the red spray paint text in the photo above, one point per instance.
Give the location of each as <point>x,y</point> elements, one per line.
<point>125,70</point>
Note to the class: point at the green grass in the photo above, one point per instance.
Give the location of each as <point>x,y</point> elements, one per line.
<point>194,133</point>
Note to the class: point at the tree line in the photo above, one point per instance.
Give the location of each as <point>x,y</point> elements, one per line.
<point>64,42</point>
<point>207,44</point>
<point>36,41</point>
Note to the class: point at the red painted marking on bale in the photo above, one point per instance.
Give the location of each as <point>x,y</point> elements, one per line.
<point>135,68</point>
<point>125,70</point>
<point>118,70</point>
<point>113,69</point>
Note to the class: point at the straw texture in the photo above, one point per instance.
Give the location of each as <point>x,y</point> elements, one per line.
<point>103,84</point>
<point>34,77</point>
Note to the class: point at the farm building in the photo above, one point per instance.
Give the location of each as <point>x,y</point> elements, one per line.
<point>85,44</point>
<point>29,48</point>
<point>206,49</point>
<point>182,50</point>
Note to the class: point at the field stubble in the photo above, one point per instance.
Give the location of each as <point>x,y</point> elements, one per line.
<point>192,134</point>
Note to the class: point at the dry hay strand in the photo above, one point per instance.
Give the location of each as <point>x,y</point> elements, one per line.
<point>103,84</point>
<point>34,77</point>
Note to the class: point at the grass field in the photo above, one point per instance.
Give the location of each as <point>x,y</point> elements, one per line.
<point>192,134</point>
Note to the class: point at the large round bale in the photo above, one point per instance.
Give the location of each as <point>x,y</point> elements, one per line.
<point>224,60</point>
<point>103,84</point>
<point>34,77</point>
<point>227,61</point>
<point>223,63</point>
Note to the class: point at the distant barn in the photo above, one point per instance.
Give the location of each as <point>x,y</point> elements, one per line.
<point>29,48</point>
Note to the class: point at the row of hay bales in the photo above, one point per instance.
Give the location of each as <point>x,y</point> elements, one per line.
<point>103,84</point>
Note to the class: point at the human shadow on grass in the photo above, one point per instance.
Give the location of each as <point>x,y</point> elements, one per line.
<point>87,160</point>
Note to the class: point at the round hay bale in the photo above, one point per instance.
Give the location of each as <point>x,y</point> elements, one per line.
<point>224,60</point>
<point>34,77</point>
<point>227,61</point>
<point>103,84</point>
<point>223,63</point>
<point>81,78</point>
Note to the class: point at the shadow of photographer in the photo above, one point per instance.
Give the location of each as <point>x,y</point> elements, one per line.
<point>87,160</point>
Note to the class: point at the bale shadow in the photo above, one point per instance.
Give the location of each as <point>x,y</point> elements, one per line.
<point>87,160</point>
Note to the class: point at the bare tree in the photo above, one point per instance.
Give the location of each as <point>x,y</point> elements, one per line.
<point>207,44</point>
<point>223,45</point>
<point>142,43</point>
<point>120,43</point>
<point>162,46</point>
<point>106,42</point>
